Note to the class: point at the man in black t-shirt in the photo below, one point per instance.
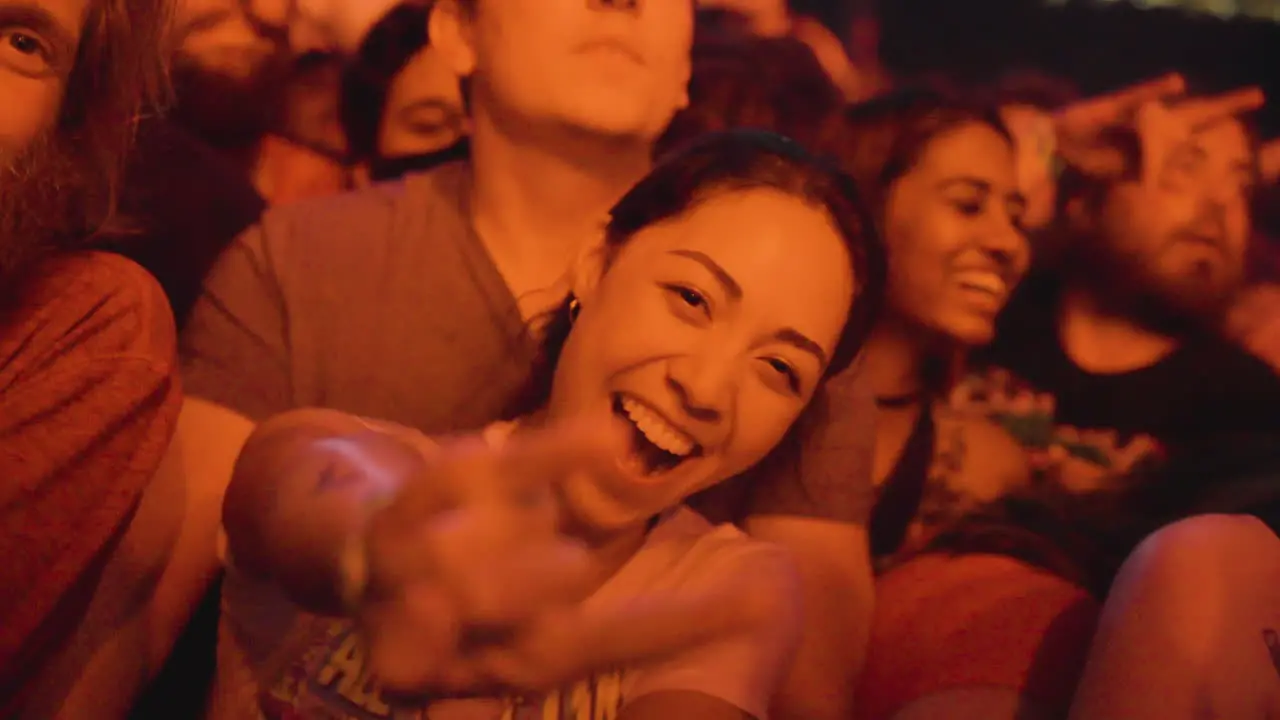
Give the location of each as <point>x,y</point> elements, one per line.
<point>1109,366</point>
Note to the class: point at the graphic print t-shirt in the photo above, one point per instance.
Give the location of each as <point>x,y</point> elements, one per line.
<point>1206,414</point>
<point>280,663</point>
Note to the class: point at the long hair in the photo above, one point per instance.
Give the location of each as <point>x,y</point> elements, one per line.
<point>731,161</point>
<point>881,140</point>
<point>773,84</point>
<point>387,48</point>
<point>120,75</point>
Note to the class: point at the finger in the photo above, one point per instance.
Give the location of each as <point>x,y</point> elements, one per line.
<point>1106,109</point>
<point>506,584</point>
<point>456,467</point>
<point>411,641</point>
<point>1269,161</point>
<point>539,457</point>
<point>1198,112</point>
<point>554,573</point>
<point>1099,161</point>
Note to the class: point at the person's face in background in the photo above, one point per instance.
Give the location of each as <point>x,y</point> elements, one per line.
<point>1180,243</point>
<point>1035,145</point>
<point>326,26</point>
<point>37,55</point>
<point>953,231</point>
<point>39,181</point>
<point>423,111</point>
<point>229,72</point>
<point>709,333</point>
<point>614,68</point>
<point>311,104</point>
<point>221,36</point>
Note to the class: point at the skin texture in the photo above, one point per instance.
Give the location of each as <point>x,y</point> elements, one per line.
<point>37,52</point>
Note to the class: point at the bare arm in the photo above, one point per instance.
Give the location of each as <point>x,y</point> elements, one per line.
<point>817,507</point>
<point>838,592</point>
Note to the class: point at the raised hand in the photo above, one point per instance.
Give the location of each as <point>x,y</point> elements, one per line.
<point>468,552</point>
<point>1088,117</point>
<point>1154,113</point>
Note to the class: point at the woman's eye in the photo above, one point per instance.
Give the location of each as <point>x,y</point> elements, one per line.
<point>787,373</point>
<point>691,297</point>
<point>687,296</point>
<point>969,208</point>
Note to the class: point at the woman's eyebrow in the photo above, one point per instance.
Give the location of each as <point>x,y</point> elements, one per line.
<point>731,286</point>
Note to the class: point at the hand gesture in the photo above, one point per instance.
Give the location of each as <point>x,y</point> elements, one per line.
<point>1153,113</point>
<point>468,551</point>
<point>472,589</point>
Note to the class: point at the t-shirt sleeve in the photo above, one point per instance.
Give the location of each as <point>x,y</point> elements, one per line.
<point>744,670</point>
<point>89,401</point>
<point>823,467</point>
<point>235,346</point>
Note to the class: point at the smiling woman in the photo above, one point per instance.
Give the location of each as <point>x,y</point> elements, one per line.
<point>732,281</point>
<point>939,174</point>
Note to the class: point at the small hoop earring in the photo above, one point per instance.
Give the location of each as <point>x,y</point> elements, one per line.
<point>574,308</point>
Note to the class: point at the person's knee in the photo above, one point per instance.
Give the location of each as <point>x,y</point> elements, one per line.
<point>1198,549</point>
<point>975,703</point>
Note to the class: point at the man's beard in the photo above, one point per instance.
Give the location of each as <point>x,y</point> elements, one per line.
<point>1193,297</point>
<point>43,203</point>
<point>231,114</point>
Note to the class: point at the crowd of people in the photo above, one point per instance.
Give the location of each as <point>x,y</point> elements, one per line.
<point>634,359</point>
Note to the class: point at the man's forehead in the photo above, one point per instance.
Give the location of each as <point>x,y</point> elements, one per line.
<point>1226,140</point>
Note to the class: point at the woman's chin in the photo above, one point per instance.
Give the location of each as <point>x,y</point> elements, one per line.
<point>598,512</point>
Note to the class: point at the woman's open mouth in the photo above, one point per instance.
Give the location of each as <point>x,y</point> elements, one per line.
<point>657,446</point>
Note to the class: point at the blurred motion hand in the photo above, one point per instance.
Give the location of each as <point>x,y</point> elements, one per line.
<point>471,589</point>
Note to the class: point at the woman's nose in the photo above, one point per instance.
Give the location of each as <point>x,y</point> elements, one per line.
<point>703,385</point>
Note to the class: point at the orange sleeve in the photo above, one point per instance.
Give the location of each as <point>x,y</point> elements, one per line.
<point>89,397</point>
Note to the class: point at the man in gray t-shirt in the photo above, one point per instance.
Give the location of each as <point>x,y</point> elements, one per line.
<point>411,302</point>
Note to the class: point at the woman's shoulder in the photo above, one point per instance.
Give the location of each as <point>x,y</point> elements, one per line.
<point>700,546</point>
<point>686,554</point>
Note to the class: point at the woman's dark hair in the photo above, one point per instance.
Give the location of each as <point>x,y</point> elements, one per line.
<point>884,138</point>
<point>388,47</point>
<point>1032,88</point>
<point>730,161</point>
<point>120,76</point>
<point>773,84</point>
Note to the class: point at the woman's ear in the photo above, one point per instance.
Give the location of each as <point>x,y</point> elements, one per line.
<point>450,27</point>
<point>589,267</point>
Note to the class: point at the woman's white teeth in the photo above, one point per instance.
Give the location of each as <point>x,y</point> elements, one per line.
<point>982,280</point>
<point>657,430</point>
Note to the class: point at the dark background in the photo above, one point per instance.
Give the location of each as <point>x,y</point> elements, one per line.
<point>1099,45</point>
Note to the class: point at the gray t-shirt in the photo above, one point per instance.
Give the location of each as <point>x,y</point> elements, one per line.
<point>384,303</point>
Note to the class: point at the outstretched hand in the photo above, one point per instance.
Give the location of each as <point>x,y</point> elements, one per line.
<point>473,590</point>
